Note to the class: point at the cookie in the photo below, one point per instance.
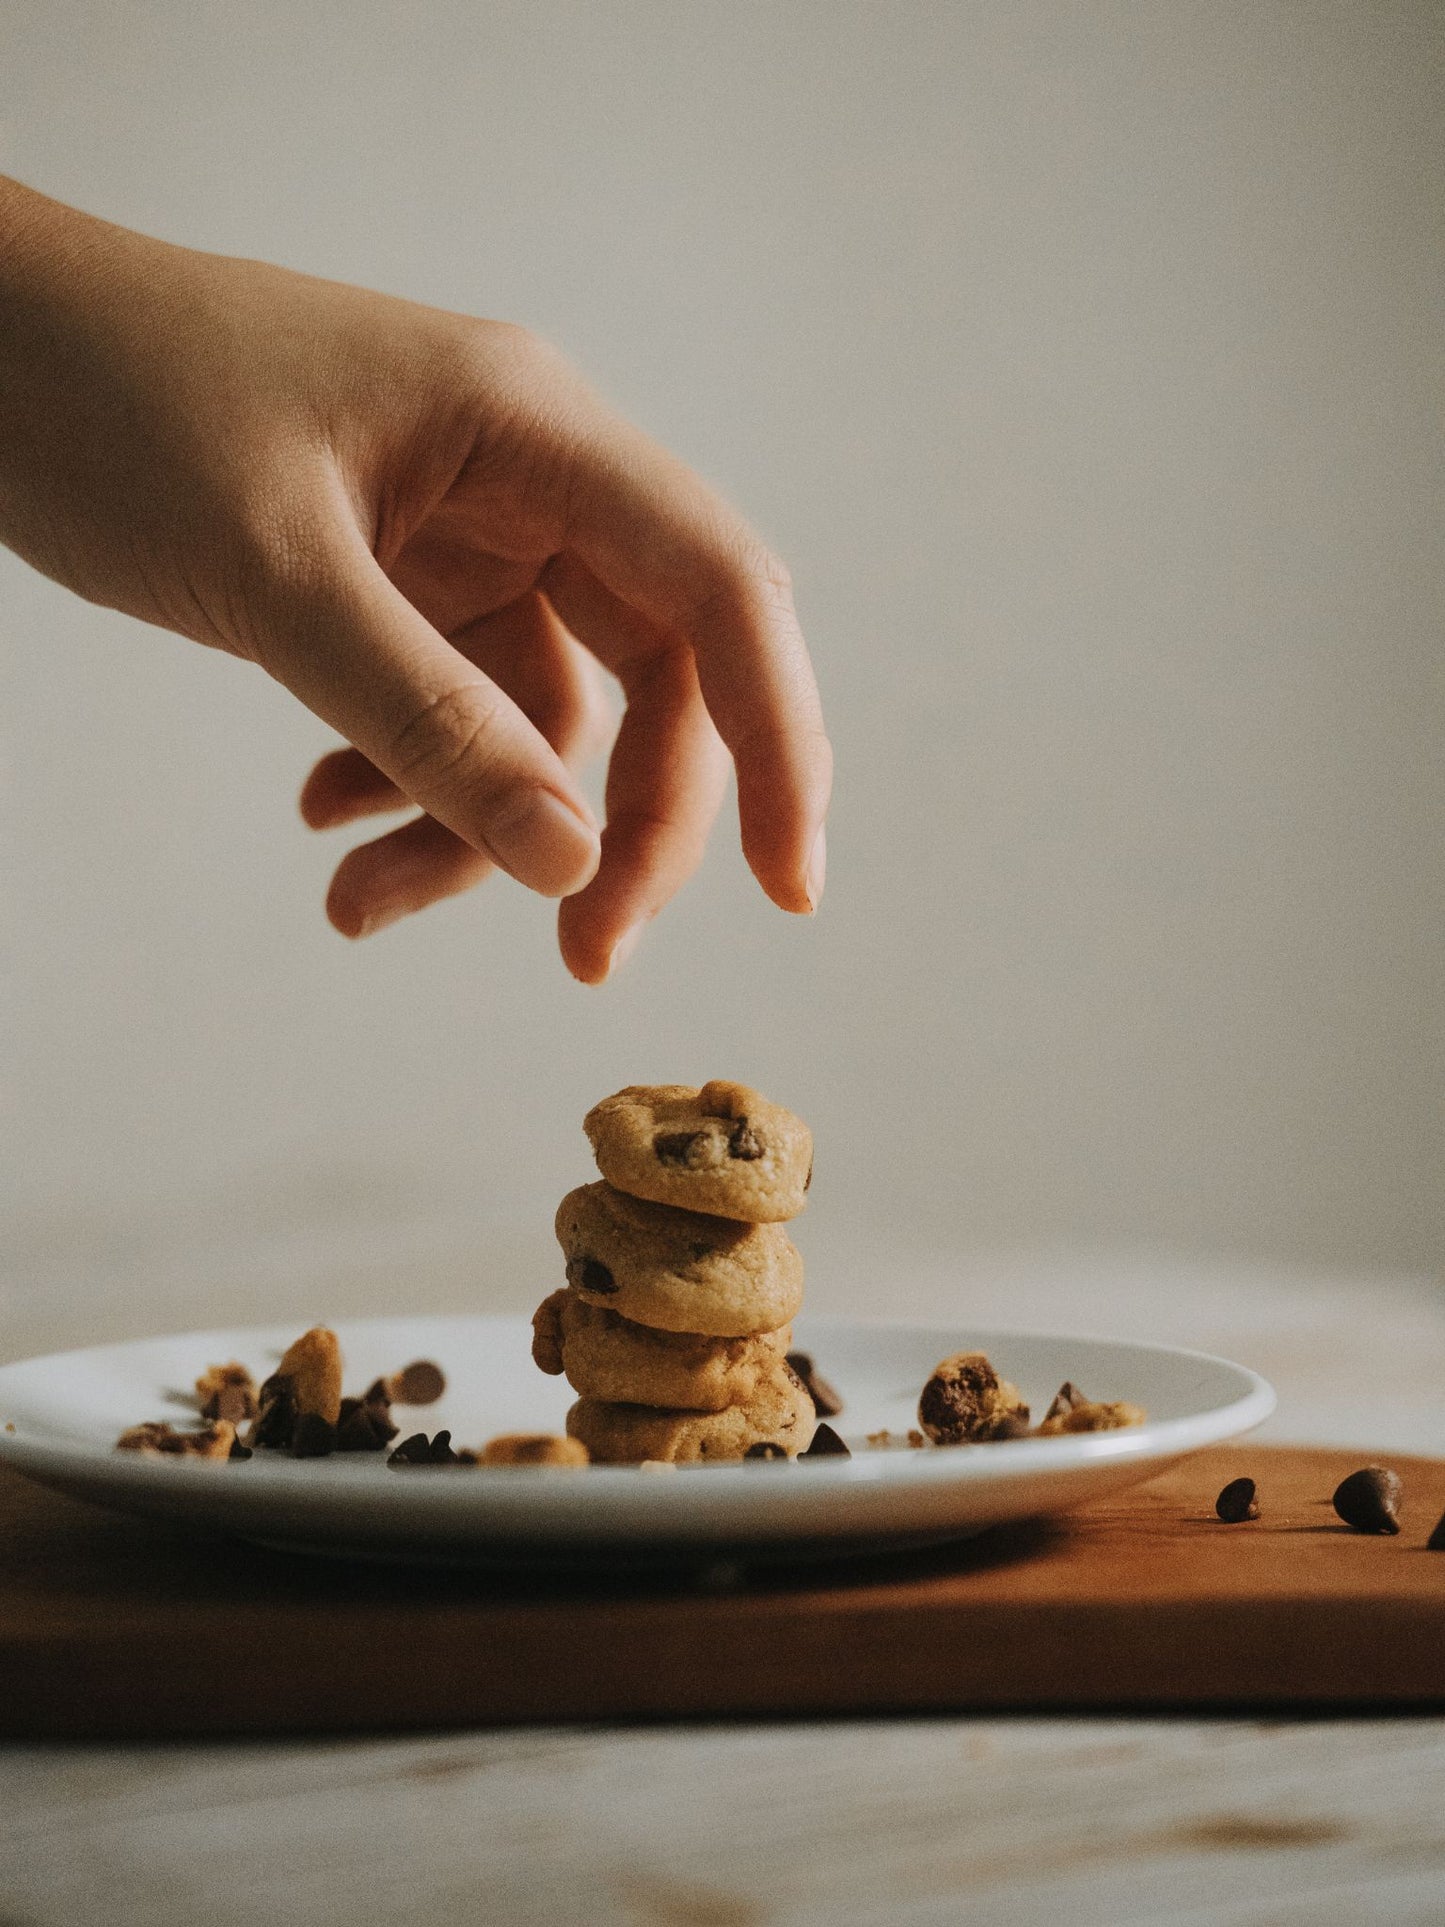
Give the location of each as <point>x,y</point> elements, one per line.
<point>779,1413</point>
<point>966,1402</point>
<point>722,1149</point>
<point>605,1355</point>
<point>678,1271</point>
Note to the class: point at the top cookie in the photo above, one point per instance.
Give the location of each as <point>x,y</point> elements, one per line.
<point>723,1149</point>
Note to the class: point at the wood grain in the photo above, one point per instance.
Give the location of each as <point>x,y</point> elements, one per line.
<point>884,1823</point>
<point>113,1626</point>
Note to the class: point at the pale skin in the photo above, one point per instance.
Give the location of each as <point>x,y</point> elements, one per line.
<point>432,532</point>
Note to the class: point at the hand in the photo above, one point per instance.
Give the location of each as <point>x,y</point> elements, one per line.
<point>427,528</point>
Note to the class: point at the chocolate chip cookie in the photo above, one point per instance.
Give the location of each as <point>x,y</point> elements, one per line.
<point>678,1271</point>
<point>723,1149</point>
<point>607,1356</point>
<point>779,1413</point>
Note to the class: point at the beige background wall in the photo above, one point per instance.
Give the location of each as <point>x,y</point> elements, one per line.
<point>1084,361</point>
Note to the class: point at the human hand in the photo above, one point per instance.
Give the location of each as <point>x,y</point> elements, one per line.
<point>428,529</point>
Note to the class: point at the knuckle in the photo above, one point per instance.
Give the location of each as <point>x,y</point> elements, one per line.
<point>445,737</point>
<point>745,577</point>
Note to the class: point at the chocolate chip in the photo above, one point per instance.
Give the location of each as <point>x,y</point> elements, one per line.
<point>1369,1500</point>
<point>744,1142</point>
<point>826,1445</point>
<point>1237,1502</point>
<point>594,1276</point>
<point>415,1450</point>
<point>313,1437</point>
<point>440,1451</point>
<point>1436,1541</point>
<point>239,1451</point>
<point>1066,1399</point>
<point>378,1392</point>
<point>826,1401</point>
<point>278,1414</point>
<point>677,1147</point>
<point>765,1449</point>
<point>808,1181</point>
<point>363,1426</point>
<point>420,1383</point>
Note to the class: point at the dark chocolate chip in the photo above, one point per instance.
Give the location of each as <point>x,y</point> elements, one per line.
<point>1237,1502</point>
<point>440,1451</point>
<point>420,1383</point>
<point>1013,1425</point>
<point>1369,1500</point>
<point>826,1402</point>
<point>278,1414</point>
<point>1436,1541</point>
<point>765,1449</point>
<point>415,1450</point>
<point>596,1277</point>
<point>826,1445</point>
<point>363,1427</point>
<point>1066,1399</point>
<point>676,1147</point>
<point>314,1437</point>
<point>378,1392</point>
<point>744,1142</point>
<point>239,1451</point>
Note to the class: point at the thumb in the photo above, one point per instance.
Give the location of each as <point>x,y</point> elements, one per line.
<point>356,652</point>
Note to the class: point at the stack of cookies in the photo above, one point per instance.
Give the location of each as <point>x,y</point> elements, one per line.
<point>681,1280</point>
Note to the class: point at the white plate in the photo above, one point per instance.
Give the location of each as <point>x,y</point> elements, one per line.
<point>67,1409</point>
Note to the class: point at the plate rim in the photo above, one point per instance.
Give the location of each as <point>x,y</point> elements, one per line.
<point>1156,1439</point>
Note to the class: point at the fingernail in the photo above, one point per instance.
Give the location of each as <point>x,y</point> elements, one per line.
<point>624,947</point>
<point>543,843</point>
<point>817,869</point>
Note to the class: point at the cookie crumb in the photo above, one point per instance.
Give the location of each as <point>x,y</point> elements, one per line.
<point>534,1448</point>
<point>158,1438</point>
<point>420,1383</point>
<point>965,1402</point>
<point>227,1391</point>
<point>1092,1415</point>
<point>916,1440</point>
<point>880,1441</point>
<point>656,1465</point>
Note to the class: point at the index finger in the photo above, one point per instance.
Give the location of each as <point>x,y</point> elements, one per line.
<point>664,543</point>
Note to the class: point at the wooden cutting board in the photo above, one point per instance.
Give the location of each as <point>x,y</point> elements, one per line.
<point>111,1626</point>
